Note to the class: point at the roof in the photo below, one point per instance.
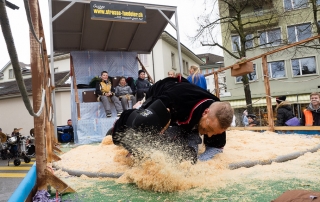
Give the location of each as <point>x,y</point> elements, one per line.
<point>11,87</point>
<point>173,41</point>
<point>211,58</point>
<point>74,30</point>
<point>22,66</point>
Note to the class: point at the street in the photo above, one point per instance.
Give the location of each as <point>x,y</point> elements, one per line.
<point>11,176</point>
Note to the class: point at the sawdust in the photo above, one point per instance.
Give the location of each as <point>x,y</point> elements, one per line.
<point>158,174</point>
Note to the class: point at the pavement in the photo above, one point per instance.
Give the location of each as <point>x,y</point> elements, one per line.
<point>11,176</point>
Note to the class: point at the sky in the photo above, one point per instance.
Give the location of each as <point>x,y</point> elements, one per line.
<point>188,10</point>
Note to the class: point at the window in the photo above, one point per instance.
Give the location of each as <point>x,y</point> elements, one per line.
<point>236,41</point>
<point>207,81</point>
<point>185,68</point>
<point>209,70</point>
<point>173,61</point>
<point>318,2</point>
<point>276,69</point>
<point>295,4</point>
<point>270,38</point>
<point>252,76</point>
<point>204,59</point>
<point>11,74</point>
<point>187,65</point>
<point>204,71</point>
<point>303,66</point>
<point>299,32</point>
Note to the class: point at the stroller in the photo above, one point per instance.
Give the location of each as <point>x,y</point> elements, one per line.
<point>18,147</point>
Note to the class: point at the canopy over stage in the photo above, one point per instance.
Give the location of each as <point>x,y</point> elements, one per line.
<point>74,30</point>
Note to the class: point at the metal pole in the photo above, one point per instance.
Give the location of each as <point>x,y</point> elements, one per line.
<point>52,72</point>
<point>178,40</point>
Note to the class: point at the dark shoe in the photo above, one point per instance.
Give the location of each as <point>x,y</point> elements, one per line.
<point>109,114</point>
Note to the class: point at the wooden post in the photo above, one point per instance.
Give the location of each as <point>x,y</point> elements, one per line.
<point>40,81</point>
<point>267,88</point>
<point>75,88</point>
<point>216,84</point>
<point>37,78</point>
<point>144,69</point>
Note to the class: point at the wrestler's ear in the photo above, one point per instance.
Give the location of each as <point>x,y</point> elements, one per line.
<point>206,111</point>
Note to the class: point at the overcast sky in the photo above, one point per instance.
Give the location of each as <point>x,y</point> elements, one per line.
<point>188,10</point>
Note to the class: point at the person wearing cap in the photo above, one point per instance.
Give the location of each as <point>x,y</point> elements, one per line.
<point>249,119</point>
<point>105,92</point>
<point>142,85</point>
<point>193,112</point>
<point>284,111</point>
<point>311,115</point>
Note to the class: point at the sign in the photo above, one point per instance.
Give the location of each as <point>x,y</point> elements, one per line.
<point>117,12</point>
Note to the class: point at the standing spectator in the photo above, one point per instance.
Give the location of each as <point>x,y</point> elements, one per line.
<point>284,111</point>
<point>171,73</point>
<point>124,92</point>
<point>311,115</point>
<point>106,93</point>
<point>142,85</point>
<point>197,78</point>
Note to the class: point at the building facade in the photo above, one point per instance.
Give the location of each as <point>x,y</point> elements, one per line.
<point>270,25</point>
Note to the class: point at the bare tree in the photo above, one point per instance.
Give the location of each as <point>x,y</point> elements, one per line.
<point>244,21</point>
<point>239,20</point>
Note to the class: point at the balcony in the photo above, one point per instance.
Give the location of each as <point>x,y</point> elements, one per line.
<point>259,19</point>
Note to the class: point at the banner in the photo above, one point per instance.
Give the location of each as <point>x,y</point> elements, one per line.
<point>117,12</point>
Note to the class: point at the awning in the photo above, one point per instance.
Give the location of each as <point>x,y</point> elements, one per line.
<point>74,30</point>
<point>258,102</point>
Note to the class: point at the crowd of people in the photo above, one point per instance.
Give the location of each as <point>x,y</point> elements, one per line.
<point>285,115</point>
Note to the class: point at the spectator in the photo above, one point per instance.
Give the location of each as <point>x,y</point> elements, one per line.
<point>197,78</point>
<point>70,130</point>
<point>124,93</point>
<point>105,91</point>
<point>171,73</point>
<point>14,147</point>
<point>142,85</point>
<point>311,115</point>
<point>284,111</point>
<point>249,119</point>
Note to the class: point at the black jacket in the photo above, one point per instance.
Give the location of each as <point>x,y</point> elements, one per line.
<point>284,113</point>
<point>181,98</point>
<point>142,84</point>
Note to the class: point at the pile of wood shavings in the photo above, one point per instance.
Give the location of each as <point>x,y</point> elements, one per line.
<point>157,174</point>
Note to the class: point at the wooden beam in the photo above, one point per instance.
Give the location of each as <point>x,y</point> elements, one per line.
<point>75,88</point>
<point>216,83</point>
<point>58,184</point>
<point>267,53</point>
<point>55,157</point>
<point>144,69</point>
<point>268,95</point>
<point>37,78</point>
<point>278,128</point>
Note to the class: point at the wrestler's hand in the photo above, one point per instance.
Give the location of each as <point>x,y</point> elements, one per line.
<point>137,105</point>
